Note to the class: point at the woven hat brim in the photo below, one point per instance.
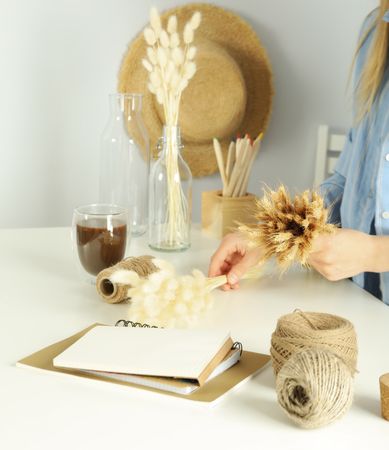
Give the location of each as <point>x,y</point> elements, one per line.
<point>236,36</point>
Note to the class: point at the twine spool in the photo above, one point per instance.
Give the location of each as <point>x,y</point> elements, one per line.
<point>116,293</point>
<point>304,330</point>
<point>314,387</point>
<point>384,388</point>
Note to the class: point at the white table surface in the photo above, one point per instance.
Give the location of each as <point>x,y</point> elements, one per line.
<point>42,301</point>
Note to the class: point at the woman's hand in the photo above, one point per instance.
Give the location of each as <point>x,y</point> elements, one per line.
<point>233,258</point>
<point>343,254</point>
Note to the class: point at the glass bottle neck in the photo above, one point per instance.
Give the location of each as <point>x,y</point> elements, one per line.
<point>171,139</point>
<point>125,105</point>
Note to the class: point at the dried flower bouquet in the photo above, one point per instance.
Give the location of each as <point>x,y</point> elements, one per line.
<point>286,227</point>
<point>170,65</point>
<point>167,299</point>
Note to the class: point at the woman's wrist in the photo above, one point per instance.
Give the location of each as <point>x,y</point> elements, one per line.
<point>378,254</point>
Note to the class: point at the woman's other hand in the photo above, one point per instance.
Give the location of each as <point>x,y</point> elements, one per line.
<point>343,254</point>
<point>233,258</point>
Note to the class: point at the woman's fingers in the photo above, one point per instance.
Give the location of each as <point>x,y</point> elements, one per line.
<point>229,255</point>
<point>238,270</point>
<point>215,266</point>
<point>224,254</point>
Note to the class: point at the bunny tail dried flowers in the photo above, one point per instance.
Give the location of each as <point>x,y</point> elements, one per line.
<point>166,299</point>
<point>286,227</point>
<point>169,61</point>
<point>170,64</point>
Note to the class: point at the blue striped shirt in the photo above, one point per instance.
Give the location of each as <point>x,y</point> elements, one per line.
<point>359,188</point>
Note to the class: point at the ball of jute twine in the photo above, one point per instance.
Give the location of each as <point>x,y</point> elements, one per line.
<point>314,387</point>
<point>300,330</point>
<point>114,292</point>
<point>314,357</point>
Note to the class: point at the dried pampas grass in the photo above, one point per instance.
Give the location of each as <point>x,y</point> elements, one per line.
<point>286,227</point>
<point>166,299</point>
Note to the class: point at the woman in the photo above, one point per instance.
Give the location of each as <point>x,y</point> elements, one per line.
<point>359,189</point>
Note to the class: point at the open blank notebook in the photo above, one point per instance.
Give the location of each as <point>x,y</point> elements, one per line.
<point>189,354</point>
<point>216,387</point>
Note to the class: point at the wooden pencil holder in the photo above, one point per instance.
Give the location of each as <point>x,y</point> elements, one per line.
<point>219,215</point>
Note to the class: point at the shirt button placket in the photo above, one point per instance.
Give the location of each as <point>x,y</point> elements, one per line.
<point>384,189</point>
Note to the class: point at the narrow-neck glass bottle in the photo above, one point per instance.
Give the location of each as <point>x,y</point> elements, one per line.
<point>170,196</point>
<point>124,160</point>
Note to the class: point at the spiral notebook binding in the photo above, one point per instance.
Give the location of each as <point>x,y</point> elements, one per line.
<point>130,323</point>
<point>238,345</point>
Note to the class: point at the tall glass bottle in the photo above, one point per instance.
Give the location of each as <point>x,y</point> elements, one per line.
<point>170,196</point>
<point>124,159</point>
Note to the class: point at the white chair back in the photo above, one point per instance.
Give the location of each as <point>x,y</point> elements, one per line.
<point>329,147</point>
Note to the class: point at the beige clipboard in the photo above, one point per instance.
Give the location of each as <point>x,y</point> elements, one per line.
<point>249,364</point>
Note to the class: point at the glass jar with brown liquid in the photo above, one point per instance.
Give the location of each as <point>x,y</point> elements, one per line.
<point>100,236</point>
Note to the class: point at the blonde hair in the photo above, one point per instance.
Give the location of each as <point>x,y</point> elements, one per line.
<point>372,73</point>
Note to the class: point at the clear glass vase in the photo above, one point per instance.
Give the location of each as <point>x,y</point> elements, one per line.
<point>124,159</point>
<point>170,196</point>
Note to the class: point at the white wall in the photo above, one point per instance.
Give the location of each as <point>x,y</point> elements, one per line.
<point>59,61</point>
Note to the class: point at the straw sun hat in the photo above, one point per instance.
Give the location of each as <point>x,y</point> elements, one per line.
<point>230,93</point>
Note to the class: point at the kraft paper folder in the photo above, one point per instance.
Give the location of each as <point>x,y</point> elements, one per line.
<point>249,364</point>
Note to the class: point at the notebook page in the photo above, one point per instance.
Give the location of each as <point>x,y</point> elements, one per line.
<point>144,351</point>
<point>171,384</point>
